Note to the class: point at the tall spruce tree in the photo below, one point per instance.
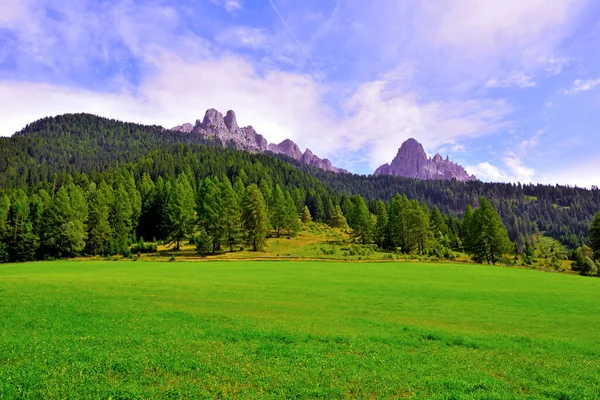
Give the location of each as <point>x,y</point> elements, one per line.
<point>21,241</point>
<point>181,211</point>
<point>279,216</point>
<point>209,211</point>
<point>254,218</point>
<point>362,222</point>
<point>4,210</point>
<point>381,225</point>
<point>230,214</point>
<point>121,221</point>
<point>337,218</point>
<point>99,231</point>
<point>595,236</point>
<point>489,236</point>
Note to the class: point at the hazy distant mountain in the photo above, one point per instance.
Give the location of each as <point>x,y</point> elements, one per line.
<point>230,134</point>
<point>412,162</point>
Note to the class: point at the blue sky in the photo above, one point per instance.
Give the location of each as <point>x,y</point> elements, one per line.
<point>510,89</point>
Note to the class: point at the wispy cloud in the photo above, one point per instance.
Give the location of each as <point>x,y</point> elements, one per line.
<point>515,79</point>
<point>580,86</point>
<point>229,5</point>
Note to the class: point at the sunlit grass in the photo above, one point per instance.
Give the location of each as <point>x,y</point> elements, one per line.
<point>296,330</point>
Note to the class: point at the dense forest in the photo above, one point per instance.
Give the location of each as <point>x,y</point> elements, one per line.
<point>82,152</point>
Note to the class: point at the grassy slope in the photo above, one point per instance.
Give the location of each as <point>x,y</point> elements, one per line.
<point>296,330</point>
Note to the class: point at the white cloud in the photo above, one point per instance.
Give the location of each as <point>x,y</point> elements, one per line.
<point>229,5</point>
<point>12,11</point>
<point>583,174</point>
<point>513,170</point>
<point>242,36</point>
<point>580,86</point>
<point>515,79</point>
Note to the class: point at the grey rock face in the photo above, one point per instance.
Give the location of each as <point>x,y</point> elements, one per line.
<point>227,130</point>
<point>412,162</point>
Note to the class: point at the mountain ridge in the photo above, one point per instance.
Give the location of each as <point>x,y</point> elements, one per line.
<point>246,138</point>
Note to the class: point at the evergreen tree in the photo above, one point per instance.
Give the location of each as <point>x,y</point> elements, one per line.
<point>381,225</point>
<point>121,221</point>
<point>204,243</point>
<point>362,222</point>
<point>306,217</point>
<point>181,210</point>
<point>254,218</point>
<point>292,224</point>
<point>438,223</point>
<point>230,214</point>
<point>337,218</point>
<point>63,230</point>
<point>490,238</point>
<point>417,227</point>
<point>595,236</point>
<point>4,210</point>
<point>396,223</point>
<point>99,230</point>
<point>20,241</point>
<point>209,211</point>
<point>279,212</point>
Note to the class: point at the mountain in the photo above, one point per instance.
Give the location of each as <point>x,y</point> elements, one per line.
<point>412,162</point>
<point>227,130</point>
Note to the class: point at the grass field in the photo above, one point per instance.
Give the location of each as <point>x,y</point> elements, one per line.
<point>127,330</point>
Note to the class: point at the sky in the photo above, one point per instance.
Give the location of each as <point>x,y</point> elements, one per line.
<point>509,89</point>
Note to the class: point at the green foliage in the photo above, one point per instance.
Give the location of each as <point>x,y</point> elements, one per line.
<point>181,211</point>
<point>204,243</point>
<point>595,236</point>
<point>487,237</point>
<point>306,217</point>
<point>142,247</point>
<point>361,221</point>
<point>254,218</point>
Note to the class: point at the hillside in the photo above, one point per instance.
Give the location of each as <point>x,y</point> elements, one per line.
<point>51,148</point>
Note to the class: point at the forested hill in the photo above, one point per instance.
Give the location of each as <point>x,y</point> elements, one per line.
<point>76,143</point>
<point>83,143</point>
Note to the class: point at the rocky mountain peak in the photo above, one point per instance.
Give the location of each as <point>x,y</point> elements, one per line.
<point>412,162</point>
<point>246,138</point>
<point>231,121</point>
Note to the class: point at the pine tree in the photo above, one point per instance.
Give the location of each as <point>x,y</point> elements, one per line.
<point>337,218</point>
<point>181,211</point>
<point>396,223</point>
<point>292,224</point>
<point>254,218</point>
<point>595,236</point>
<point>4,210</point>
<point>121,220</point>
<point>20,241</point>
<point>306,217</point>
<point>381,225</point>
<point>99,230</point>
<point>204,243</point>
<point>278,210</point>
<point>362,222</point>
<point>209,211</point>
<point>438,223</point>
<point>230,214</point>
<point>489,236</point>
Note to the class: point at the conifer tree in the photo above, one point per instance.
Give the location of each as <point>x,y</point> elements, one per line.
<point>488,234</point>
<point>292,224</point>
<point>337,218</point>
<point>279,215</point>
<point>595,236</point>
<point>121,220</point>
<point>20,241</point>
<point>438,223</point>
<point>204,243</point>
<point>306,217</point>
<point>361,221</point>
<point>230,214</point>
<point>99,230</point>
<point>181,211</point>
<point>381,224</point>
<point>254,218</point>
<point>396,223</point>
<point>4,210</point>
<point>209,211</point>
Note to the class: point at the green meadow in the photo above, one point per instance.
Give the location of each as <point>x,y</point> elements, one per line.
<point>274,330</point>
